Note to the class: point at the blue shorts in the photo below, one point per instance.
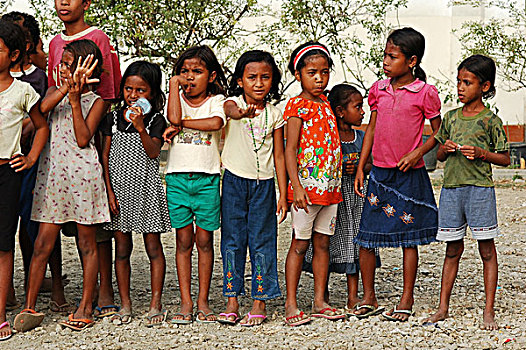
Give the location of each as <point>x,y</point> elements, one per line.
<point>467,205</point>
<point>194,196</point>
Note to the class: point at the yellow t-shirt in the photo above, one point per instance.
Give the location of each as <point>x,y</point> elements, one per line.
<point>15,102</point>
<point>244,136</point>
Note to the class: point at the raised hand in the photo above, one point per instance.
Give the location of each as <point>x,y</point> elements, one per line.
<point>170,132</point>
<point>137,118</point>
<point>85,69</point>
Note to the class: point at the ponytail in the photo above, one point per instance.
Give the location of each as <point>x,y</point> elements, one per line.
<point>419,73</point>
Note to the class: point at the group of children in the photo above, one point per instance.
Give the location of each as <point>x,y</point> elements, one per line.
<point>99,170</point>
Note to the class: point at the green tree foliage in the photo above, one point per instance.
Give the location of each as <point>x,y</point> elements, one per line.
<point>354,30</point>
<point>503,39</point>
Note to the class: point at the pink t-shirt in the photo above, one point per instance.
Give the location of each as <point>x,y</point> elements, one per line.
<point>111,76</point>
<point>400,119</point>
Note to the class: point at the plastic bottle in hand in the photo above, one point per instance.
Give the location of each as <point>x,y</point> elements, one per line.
<point>143,104</point>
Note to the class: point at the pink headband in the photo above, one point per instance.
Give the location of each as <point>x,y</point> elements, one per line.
<point>307,49</point>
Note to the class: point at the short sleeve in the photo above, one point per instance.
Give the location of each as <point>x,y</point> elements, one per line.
<point>498,136</point>
<point>157,126</point>
<point>216,107</point>
<point>431,102</point>
<point>31,97</point>
<point>300,108</point>
<point>106,125</point>
<point>443,133</point>
<point>51,64</point>
<point>110,78</point>
<point>373,97</point>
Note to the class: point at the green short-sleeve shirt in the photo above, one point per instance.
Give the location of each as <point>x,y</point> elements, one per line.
<point>484,130</point>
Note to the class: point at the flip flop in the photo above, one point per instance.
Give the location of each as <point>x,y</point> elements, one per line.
<point>350,311</point>
<point>183,320</point>
<point>3,325</point>
<point>28,319</point>
<point>70,323</point>
<point>397,311</point>
<point>64,308</point>
<point>328,314</point>
<point>198,320</point>
<point>122,318</point>
<point>250,316</point>
<point>373,310</point>
<point>163,313</point>
<point>227,320</point>
<point>102,313</point>
<point>303,319</point>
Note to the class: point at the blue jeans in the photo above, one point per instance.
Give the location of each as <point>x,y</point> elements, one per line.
<point>248,218</point>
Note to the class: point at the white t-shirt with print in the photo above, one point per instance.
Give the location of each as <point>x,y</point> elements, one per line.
<point>15,102</point>
<point>239,155</point>
<point>195,151</point>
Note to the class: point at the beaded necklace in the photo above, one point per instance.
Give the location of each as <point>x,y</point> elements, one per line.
<point>256,148</point>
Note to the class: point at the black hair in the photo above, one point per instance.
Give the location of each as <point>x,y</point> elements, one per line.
<point>83,48</point>
<point>411,43</point>
<point>484,69</point>
<point>341,94</point>
<point>13,37</point>
<point>152,75</point>
<point>205,54</point>
<point>29,26</point>
<point>256,56</point>
<point>301,63</point>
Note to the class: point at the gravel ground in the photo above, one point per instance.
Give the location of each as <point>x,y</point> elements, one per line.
<point>460,331</point>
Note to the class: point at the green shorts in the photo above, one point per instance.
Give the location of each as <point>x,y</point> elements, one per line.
<point>194,197</point>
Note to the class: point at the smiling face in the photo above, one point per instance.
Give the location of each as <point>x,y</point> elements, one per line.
<point>395,63</point>
<point>256,82</point>
<point>353,113</point>
<point>314,77</point>
<point>134,88</point>
<point>70,11</point>
<point>198,77</point>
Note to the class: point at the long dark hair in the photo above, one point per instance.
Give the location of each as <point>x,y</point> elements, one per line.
<point>83,48</point>
<point>152,75</point>
<point>301,62</point>
<point>255,56</point>
<point>411,43</point>
<point>13,37</point>
<point>484,69</point>
<point>29,26</point>
<point>205,54</point>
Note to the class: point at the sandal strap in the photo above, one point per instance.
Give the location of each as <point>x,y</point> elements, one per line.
<point>300,316</point>
<point>5,324</point>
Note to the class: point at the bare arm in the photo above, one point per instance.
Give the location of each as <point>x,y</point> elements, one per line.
<point>85,128</point>
<point>232,111</point>
<point>281,173</point>
<point>53,97</point>
<point>497,158</point>
<point>175,112</point>
<point>367,146</point>
<point>205,124</point>
<point>409,160</point>
<point>112,199</point>
<point>301,198</point>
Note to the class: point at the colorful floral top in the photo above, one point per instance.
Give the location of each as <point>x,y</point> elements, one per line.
<point>319,155</point>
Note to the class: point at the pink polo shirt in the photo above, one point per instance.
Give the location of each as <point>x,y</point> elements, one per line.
<point>110,79</point>
<point>400,119</point>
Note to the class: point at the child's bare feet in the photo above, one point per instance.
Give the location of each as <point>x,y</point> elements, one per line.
<point>156,316</point>
<point>186,312</point>
<point>232,307</point>
<point>405,304</point>
<point>206,313</point>
<point>352,302</point>
<point>123,316</point>
<point>440,315</point>
<point>488,321</point>
<point>258,308</point>
<point>366,301</point>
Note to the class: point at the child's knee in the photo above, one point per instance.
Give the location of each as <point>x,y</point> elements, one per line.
<point>154,251</point>
<point>487,251</point>
<point>42,249</point>
<point>205,244</point>
<point>122,253</point>
<point>454,250</point>
<point>300,247</point>
<point>321,242</point>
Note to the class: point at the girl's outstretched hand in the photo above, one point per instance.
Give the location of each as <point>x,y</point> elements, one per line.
<point>250,112</point>
<point>113,202</point>
<point>358,183</point>
<point>409,160</point>
<point>170,132</point>
<point>301,199</point>
<point>85,69</point>
<point>281,211</point>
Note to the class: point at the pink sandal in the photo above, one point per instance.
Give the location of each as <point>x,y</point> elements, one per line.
<point>3,325</point>
<point>226,320</point>
<point>250,316</point>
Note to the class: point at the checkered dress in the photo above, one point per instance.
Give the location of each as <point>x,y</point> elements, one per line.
<point>137,185</point>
